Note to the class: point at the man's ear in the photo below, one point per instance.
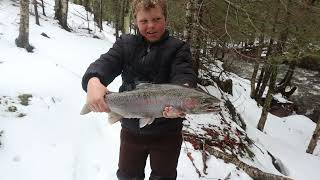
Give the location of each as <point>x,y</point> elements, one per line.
<point>135,21</point>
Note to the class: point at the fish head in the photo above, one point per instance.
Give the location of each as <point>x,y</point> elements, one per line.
<point>201,104</point>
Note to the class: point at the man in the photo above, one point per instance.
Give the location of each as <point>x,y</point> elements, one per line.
<point>151,56</point>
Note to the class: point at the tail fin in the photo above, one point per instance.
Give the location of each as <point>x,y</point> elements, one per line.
<point>85,110</point>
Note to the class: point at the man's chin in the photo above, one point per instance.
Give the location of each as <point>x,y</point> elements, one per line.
<point>153,39</point>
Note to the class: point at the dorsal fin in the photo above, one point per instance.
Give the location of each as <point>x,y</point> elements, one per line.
<point>144,85</point>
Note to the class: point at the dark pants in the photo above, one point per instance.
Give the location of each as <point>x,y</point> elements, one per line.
<point>164,151</point>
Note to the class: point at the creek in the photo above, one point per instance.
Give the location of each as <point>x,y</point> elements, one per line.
<point>307,96</point>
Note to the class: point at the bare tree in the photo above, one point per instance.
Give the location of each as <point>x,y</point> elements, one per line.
<point>98,13</point>
<point>193,18</point>
<point>36,14</point>
<point>267,102</point>
<point>197,43</point>
<point>61,13</point>
<point>117,7</point>
<point>125,16</point>
<point>23,39</point>
<point>189,21</point>
<point>256,67</point>
<point>42,4</point>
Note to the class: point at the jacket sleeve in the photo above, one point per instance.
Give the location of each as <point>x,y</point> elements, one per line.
<point>107,67</point>
<point>181,68</point>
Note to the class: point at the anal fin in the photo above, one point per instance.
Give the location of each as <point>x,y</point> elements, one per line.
<point>114,117</point>
<point>145,121</point>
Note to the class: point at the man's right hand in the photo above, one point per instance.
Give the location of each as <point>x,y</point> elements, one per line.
<point>95,96</point>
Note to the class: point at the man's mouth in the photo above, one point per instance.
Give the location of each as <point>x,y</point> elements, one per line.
<point>151,33</point>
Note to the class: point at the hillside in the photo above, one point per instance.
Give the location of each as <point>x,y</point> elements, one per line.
<point>44,137</point>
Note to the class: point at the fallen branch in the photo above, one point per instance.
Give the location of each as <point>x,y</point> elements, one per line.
<point>192,161</point>
<point>253,172</point>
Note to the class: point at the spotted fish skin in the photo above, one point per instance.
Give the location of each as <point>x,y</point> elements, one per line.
<point>148,101</point>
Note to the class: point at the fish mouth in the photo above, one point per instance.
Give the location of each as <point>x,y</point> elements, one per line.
<point>213,108</point>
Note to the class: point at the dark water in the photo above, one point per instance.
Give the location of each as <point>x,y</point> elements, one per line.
<point>307,95</point>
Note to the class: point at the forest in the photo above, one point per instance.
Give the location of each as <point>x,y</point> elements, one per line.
<point>266,34</point>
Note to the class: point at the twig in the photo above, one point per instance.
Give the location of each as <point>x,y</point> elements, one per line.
<point>191,158</point>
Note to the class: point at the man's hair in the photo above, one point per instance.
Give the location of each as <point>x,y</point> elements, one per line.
<point>148,4</point>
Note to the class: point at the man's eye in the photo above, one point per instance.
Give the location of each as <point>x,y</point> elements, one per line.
<point>143,21</point>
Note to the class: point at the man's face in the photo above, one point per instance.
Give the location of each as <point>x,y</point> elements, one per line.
<point>151,23</point>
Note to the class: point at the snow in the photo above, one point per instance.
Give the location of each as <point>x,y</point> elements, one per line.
<point>52,141</point>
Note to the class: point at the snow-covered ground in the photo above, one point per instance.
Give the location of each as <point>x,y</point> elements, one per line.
<point>48,139</point>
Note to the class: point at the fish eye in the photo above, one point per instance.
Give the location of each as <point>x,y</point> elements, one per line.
<point>203,101</point>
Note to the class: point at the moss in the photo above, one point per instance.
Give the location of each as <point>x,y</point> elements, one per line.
<point>12,108</point>
<point>24,99</point>
<point>21,115</point>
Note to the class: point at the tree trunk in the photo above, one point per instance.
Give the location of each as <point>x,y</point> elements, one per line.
<point>98,13</point>
<point>57,9</point>
<point>126,17</point>
<point>259,81</point>
<point>121,19</point>
<point>61,13</point>
<point>23,39</point>
<point>285,82</point>
<point>36,14</point>
<point>264,83</point>
<point>95,8</point>
<point>116,6</point>
<point>86,4</point>
<point>253,80</point>
<point>42,4</point>
<point>256,68</point>
<point>101,15</point>
<point>189,22</point>
<point>314,139</point>
<point>88,22</point>
<point>196,45</point>
<point>64,19</point>
<point>267,102</point>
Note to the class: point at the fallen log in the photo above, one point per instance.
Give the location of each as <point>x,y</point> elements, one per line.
<point>253,172</point>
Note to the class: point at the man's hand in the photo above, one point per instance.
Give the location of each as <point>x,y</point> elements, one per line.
<point>95,96</point>
<point>171,112</point>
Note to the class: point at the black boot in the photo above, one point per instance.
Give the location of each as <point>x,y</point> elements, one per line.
<point>154,177</point>
<point>122,176</point>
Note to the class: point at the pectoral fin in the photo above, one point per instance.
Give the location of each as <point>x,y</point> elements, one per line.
<point>85,110</point>
<point>145,121</point>
<point>114,117</point>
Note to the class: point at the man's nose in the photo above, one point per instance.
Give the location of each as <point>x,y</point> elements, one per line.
<point>151,24</point>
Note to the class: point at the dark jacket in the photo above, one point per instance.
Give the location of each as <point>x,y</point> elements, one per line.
<point>165,61</point>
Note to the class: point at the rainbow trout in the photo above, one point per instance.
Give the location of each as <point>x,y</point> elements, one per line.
<point>148,101</point>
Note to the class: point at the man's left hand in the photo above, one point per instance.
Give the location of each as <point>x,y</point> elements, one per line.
<point>171,112</point>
